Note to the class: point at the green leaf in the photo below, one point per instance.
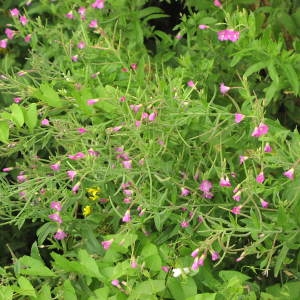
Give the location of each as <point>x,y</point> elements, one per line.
<point>148,287</point>
<point>101,293</point>
<point>149,250</point>
<point>34,267</point>
<point>227,275</point>
<point>6,293</point>
<point>4,131</point>
<point>205,296</point>
<point>44,293</point>
<point>280,259</point>
<point>153,262</point>
<point>256,67</point>
<point>291,76</point>
<point>182,289</point>
<point>17,114</point>
<point>69,291</point>
<point>26,287</point>
<point>47,94</point>
<point>30,116</point>
<point>89,263</point>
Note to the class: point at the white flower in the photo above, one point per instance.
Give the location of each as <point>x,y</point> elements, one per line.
<point>178,271</point>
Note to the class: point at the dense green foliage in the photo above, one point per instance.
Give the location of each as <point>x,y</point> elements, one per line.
<point>139,164</point>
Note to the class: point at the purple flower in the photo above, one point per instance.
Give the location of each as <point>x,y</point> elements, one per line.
<point>215,256</point>
<point>55,167</point>
<point>202,26</point>
<point>289,174</point>
<point>14,12</point>
<point>238,117</point>
<point>264,203</point>
<point>56,205</point>
<point>71,174</point>
<point>237,196</point>
<point>75,188</point>
<point>236,210</point>
<point>92,152</point>
<point>56,218</point>
<point>81,45</point>
<point>98,4</point>
<point>126,218</point>
<point>223,88</point>
<point>195,252</point>
<point>184,224</point>
<point>191,84</point>
<point>225,182</point>
<point>106,244</point>
<point>260,130</point>
<point>9,33</point>
<point>23,20</point>
<point>127,164</point>
<point>77,156</point>
<point>93,24</point>
<point>260,178</point>
<point>165,268</point>
<point>195,265</point>
<point>267,148</point>
<point>205,186</point>
<point>185,192</point>
<point>243,159</point>
<point>115,282</point>
<point>60,235</point>
<point>45,122</point>
<point>228,35</point>
<point>7,169</point>
<point>3,43</point>
<point>81,130</point>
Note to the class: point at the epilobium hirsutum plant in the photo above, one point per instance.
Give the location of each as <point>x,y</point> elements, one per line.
<point>151,180</point>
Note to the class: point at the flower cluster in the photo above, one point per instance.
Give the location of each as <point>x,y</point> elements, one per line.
<point>56,217</point>
<point>228,35</point>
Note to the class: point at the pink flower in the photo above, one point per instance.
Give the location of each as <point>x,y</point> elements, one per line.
<point>224,181</point>
<point>56,205</point>
<point>191,84</point>
<point>243,159</point>
<point>98,4</point>
<point>133,66</point>
<point>236,210</point>
<point>92,101</point>
<point>81,10</point>
<point>205,186</point>
<point>45,122</point>
<point>135,107</point>
<point>260,130</point>
<point>55,167</point>
<point>223,88</point>
<point>217,3</point>
<point>74,58</point>
<point>8,169</point>
<point>195,252</point>
<point>289,174</point>
<point>128,192</point>
<point>75,188</point>
<point>144,115</point>
<point>14,12</point>
<point>260,178</point>
<point>81,45</point>
<point>264,203</point>
<point>3,43</point>
<point>238,118</point>
<point>201,260</point>
<point>122,99</point>
<point>81,130</point>
<point>202,26</point>
<point>92,152</point>
<point>165,268</point>
<point>267,148</point>
<point>126,218</point>
<point>27,38</point>
<point>237,196</point>
<point>127,200</point>
<point>17,99</point>
<point>77,156</point>
<point>93,24</point>
<point>106,244</point>
<point>70,15</point>
<point>185,192</point>
<point>71,174</point>
<point>9,33</point>
<point>152,116</point>
<point>23,20</point>
<point>228,35</point>
<point>115,282</point>
<point>184,224</point>
<point>21,177</point>
<point>127,164</point>
<point>215,256</point>
<point>133,264</point>
<point>178,36</point>
<point>138,123</point>
<point>56,218</point>
<point>60,235</point>
<point>195,265</point>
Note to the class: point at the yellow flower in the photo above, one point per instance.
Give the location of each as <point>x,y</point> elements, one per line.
<point>93,193</point>
<point>87,210</point>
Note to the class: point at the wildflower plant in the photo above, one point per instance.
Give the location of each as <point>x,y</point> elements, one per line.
<point>134,164</point>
